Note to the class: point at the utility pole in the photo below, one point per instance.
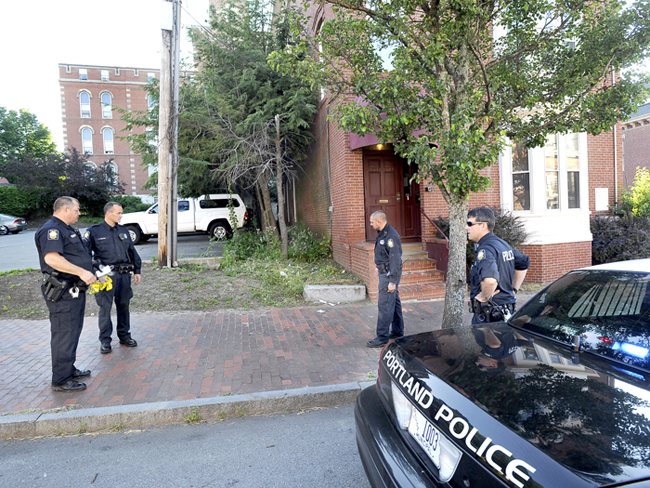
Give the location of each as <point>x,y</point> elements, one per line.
<point>167,134</point>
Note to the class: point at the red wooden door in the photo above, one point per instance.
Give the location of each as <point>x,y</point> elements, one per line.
<point>411,204</point>
<point>383,186</point>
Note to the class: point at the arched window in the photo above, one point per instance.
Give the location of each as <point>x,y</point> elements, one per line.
<point>108,140</point>
<point>107,106</point>
<point>84,101</point>
<point>111,172</point>
<point>87,140</point>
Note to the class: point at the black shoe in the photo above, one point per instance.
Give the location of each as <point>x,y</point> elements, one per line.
<point>395,336</point>
<point>71,385</point>
<point>79,373</point>
<point>376,343</point>
<point>105,348</point>
<point>128,342</point>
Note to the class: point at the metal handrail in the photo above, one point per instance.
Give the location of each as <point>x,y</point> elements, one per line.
<point>437,228</point>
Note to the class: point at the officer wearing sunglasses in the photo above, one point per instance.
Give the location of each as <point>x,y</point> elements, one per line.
<point>497,272</point>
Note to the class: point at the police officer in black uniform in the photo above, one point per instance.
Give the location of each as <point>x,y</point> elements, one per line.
<point>67,271</point>
<point>388,259</point>
<point>497,272</point>
<point>112,246</point>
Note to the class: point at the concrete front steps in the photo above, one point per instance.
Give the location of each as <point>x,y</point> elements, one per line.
<point>420,278</point>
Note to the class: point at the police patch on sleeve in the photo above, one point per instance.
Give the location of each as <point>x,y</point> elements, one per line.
<point>87,234</point>
<point>53,235</point>
<point>390,243</point>
<point>481,255</point>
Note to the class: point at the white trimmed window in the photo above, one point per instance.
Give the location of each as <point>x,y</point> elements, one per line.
<point>83,74</point>
<point>104,75</point>
<point>548,188</point>
<point>520,177</point>
<point>573,170</point>
<point>111,176</point>
<point>84,104</point>
<point>107,105</point>
<point>87,140</point>
<point>107,133</point>
<point>552,173</point>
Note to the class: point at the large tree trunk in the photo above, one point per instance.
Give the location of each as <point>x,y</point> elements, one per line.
<point>284,236</point>
<point>268,220</point>
<point>456,277</point>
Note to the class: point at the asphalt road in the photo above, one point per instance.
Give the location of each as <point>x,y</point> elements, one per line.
<point>314,449</point>
<point>18,251</point>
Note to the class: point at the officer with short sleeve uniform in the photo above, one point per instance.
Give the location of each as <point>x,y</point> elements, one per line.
<point>112,246</point>
<point>67,271</point>
<point>497,272</point>
<point>388,259</point>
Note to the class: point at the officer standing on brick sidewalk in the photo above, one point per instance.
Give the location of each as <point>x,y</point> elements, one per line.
<point>67,269</point>
<point>112,246</point>
<point>388,259</point>
<point>497,272</point>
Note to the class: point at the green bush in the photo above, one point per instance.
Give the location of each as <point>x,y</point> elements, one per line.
<point>507,226</point>
<point>25,202</point>
<point>251,243</point>
<point>131,203</point>
<point>303,245</point>
<point>619,238</point>
<point>636,200</point>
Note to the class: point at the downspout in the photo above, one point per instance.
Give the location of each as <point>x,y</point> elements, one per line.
<point>615,152</point>
<point>330,208</point>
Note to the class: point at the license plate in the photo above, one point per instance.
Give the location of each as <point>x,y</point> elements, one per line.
<point>426,435</point>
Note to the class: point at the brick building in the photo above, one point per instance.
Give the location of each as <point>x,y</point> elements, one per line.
<point>89,95</point>
<point>554,189</point>
<point>636,143</point>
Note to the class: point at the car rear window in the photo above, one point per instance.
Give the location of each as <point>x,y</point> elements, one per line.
<point>609,311</point>
<point>218,203</point>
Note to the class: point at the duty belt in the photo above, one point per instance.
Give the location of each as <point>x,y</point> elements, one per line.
<point>56,287</point>
<point>382,268</point>
<point>491,309</point>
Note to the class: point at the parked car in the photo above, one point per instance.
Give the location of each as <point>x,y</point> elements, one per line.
<point>208,213</point>
<point>559,396</point>
<point>12,224</point>
<point>3,230</point>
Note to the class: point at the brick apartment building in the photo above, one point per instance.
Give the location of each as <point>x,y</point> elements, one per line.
<point>554,189</point>
<point>89,95</point>
<point>636,143</point>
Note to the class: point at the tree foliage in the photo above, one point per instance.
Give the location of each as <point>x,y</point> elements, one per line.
<point>71,174</point>
<point>227,134</point>
<point>21,135</point>
<point>636,200</point>
<point>467,76</point>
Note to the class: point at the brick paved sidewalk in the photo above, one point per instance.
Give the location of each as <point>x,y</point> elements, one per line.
<point>200,355</point>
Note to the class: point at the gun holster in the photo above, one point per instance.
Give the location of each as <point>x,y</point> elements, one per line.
<point>54,287</point>
<point>382,268</point>
<point>124,268</point>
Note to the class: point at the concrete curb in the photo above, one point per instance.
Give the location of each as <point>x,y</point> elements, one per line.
<point>150,414</point>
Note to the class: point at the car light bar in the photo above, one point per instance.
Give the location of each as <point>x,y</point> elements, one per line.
<point>631,349</point>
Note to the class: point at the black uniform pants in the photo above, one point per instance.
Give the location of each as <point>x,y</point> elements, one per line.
<point>122,294</point>
<point>66,322</point>
<point>389,320</point>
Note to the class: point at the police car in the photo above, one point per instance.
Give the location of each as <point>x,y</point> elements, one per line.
<point>559,396</point>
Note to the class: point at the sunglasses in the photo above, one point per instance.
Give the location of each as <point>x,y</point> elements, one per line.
<point>469,224</point>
